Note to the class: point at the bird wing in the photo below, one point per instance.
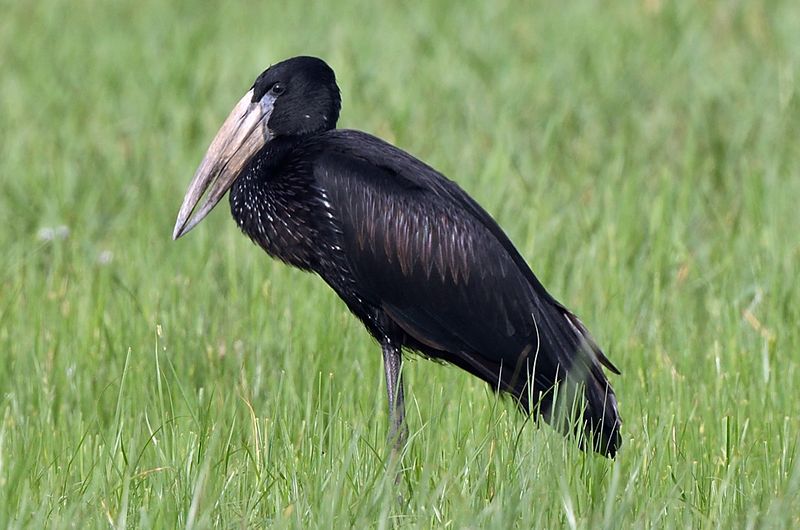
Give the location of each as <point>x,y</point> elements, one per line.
<point>437,264</point>
<point>441,268</point>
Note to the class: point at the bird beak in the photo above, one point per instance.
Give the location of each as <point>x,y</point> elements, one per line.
<point>242,135</point>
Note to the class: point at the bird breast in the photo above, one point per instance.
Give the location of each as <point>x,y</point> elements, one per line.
<point>279,217</point>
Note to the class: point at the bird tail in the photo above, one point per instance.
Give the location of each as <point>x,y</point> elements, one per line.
<point>580,399</point>
<point>601,417</point>
<point>601,422</point>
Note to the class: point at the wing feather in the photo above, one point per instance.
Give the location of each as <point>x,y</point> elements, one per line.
<point>439,266</point>
<point>432,263</point>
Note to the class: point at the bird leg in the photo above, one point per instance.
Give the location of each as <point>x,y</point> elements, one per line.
<point>392,364</point>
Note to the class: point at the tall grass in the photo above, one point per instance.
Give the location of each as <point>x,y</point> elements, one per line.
<point>643,156</point>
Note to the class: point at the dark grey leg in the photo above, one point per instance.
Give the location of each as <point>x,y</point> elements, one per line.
<point>392,364</point>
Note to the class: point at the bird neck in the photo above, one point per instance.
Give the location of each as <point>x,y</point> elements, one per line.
<point>274,153</point>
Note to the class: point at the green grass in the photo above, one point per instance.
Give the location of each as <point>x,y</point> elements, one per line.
<point>643,157</point>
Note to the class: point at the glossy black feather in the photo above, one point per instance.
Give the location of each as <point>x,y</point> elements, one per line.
<point>417,260</point>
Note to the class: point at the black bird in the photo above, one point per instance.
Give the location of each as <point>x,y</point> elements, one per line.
<point>414,257</point>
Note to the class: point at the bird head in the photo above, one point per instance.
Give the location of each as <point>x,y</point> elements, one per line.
<point>295,97</point>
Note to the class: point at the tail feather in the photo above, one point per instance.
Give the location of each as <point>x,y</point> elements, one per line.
<point>585,407</point>
<point>601,418</point>
<point>584,401</point>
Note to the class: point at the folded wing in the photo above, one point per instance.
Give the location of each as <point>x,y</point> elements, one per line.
<point>442,269</point>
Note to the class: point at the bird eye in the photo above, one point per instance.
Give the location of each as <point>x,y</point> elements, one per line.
<point>277,89</point>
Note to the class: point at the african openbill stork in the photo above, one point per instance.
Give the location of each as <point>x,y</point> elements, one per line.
<point>414,257</point>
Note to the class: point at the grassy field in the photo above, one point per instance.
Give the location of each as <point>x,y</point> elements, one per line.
<point>645,159</point>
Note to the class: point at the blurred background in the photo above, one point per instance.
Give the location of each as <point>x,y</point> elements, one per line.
<point>643,156</point>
